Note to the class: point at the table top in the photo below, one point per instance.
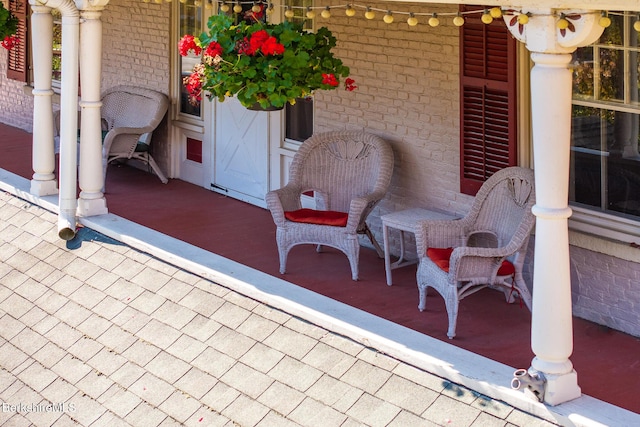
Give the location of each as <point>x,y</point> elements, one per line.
<point>407,219</point>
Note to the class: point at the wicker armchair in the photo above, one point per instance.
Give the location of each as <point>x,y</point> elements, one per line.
<point>129,116</point>
<point>348,173</point>
<point>485,248</point>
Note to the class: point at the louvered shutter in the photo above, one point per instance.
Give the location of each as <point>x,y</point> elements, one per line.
<point>18,56</point>
<point>487,101</point>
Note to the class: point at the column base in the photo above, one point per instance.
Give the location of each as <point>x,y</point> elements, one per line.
<point>92,207</point>
<point>43,188</point>
<point>561,388</point>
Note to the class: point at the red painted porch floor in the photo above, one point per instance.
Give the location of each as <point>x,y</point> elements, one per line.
<point>607,361</point>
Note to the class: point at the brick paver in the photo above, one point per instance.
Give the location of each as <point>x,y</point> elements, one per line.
<point>95,333</point>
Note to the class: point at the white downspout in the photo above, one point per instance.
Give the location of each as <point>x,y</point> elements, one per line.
<point>67,198</point>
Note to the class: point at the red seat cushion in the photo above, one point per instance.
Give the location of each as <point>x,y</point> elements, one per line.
<point>312,216</point>
<point>440,257</point>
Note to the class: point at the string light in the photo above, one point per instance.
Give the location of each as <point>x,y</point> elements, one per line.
<point>369,14</point>
<point>604,20</point>
<point>562,23</point>
<point>487,15</point>
<point>434,21</point>
<point>412,21</point>
<point>289,13</point>
<point>523,18</point>
<point>310,13</point>
<point>458,21</point>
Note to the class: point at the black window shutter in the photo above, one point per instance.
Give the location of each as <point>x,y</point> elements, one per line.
<point>17,66</point>
<point>488,114</point>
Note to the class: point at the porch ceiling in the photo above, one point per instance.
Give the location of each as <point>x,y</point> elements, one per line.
<point>626,5</point>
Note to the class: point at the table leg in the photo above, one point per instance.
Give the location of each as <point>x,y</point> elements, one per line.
<point>387,259</point>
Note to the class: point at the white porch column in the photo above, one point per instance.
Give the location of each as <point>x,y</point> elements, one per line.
<point>92,200</point>
<point>43,158</point>
<point>551,92</point>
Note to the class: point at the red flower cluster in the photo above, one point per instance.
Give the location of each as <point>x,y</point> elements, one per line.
<point>10,42</point>
<point>329,79</point>
<point>214,49</point>
<point>349,84</point>
<point>193,84</point>
<point>188,43</point>
<point>261,41</point>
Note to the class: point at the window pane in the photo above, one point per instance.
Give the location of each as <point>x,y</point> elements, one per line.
<point>57,47</point>
<point>605,163</point>
<point>611,72</point>
<point>190,23</point>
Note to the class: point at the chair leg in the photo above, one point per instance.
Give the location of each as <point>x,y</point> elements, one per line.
<point>354,254</point>
<point>373,240</point>
<point>422,303</point>
<point>452,303</point>
<point>156,169</point>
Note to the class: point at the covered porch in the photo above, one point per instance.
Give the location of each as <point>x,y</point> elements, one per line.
<point>605,359</point>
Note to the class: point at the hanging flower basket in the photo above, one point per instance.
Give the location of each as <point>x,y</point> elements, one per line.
<point>8,28</point>
<point>262,64</point>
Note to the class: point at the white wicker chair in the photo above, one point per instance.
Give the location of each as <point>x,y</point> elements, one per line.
<point>349,173</point>
<point>129,116</point>
<point>485,248</point>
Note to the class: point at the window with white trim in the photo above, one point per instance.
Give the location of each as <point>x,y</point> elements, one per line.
<point>605,162</point>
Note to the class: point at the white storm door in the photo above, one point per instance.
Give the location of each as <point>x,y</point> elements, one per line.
<point>241,152</point>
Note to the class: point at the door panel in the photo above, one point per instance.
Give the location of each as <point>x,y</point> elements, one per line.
<point>241,145</point>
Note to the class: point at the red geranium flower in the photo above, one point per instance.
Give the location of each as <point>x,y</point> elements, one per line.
<point>187,43</point>
<point>272,47</point>
<point>257,40</point>
<point>349,84</point>
<point>330,79</point>
<point>10,42</point>
<point>214,49</point>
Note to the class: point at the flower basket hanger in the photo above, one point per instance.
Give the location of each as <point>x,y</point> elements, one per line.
<point>263,65</point>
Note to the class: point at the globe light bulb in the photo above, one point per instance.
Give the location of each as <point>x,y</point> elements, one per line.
<point>562,23</point>
<point>412,21</point>
<point>196,3</point>
<point>434,21</point>
<point>486,17</point>
<point>496,12</point>
<point>350,11</point>
<point>310,13</point>
<point>523,19</point>
<point>326,13</point>
<point>168,1</point>
<point>289,13</point>
<point>388,18</point>
<point>255,8</point>
<point>237,8</point>
<point>604,20</point>
<point>157,1</point>
<point>270,9</point>
<point>458,21</point>
<point>369,14</point>
<point>223,8</point>
<point>636,25</point>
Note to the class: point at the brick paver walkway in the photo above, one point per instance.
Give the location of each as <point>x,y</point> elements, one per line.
<point>95,333</point>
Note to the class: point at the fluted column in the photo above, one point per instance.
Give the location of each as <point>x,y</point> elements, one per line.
<point>43,158</point>
<point>92,200</point>
<point>551,92</point>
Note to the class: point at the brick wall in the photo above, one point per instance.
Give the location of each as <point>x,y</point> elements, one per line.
<point>16,108</point>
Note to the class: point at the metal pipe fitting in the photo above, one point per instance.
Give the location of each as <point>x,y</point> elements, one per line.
<point>531,381</point>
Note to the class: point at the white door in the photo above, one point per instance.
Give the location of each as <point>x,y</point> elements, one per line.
<point>241,152</point>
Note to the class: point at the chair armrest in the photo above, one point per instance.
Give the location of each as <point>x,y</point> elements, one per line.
<point>440,233</point>
<point>472,263</point>
<point>131,136</point>
<point>360,208</point>
<point>283,200</point>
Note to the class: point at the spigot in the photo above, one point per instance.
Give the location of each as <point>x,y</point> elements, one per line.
<point>532,382</point>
